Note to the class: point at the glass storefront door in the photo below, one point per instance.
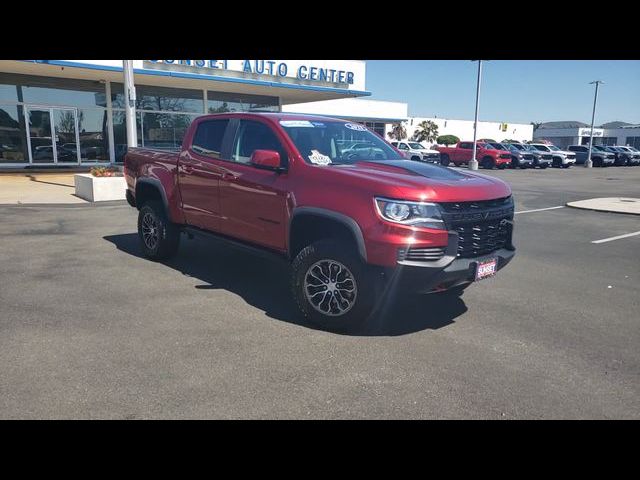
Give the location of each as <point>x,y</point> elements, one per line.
<point>53,135</point>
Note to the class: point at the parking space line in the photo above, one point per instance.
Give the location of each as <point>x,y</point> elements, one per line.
<point>540,209</point>
<point>611,239</point>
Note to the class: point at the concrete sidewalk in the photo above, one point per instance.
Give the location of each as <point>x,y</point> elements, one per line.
<point>37,188</point>
<point>609,204</point>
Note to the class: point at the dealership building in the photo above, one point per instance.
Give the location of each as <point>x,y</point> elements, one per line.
<point>564,134</point>
<point>72,112</point>
<point>463,129</point>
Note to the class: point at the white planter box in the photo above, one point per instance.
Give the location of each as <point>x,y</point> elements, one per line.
<point>99,189</point>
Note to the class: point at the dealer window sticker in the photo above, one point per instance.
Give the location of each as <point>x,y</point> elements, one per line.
<point>296,123</point>
<point>356,126</point>
<point>318,158</point>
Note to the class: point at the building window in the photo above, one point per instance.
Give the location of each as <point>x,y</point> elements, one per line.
<point>51,91</point>
<point>220,102</point>
<point>13,135</point>
<point>608,141</point>
<point>160,99</point>
<point>633,142</point>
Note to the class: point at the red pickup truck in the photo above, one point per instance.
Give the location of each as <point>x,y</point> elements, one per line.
<point>462,153</point>
<point>354,218</point>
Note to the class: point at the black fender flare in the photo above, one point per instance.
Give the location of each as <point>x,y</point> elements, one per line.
<point>157,184</point>
<point>341,218</point>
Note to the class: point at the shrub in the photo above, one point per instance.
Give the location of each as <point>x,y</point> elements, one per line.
<point>104,172</point>
<point>447,140</point>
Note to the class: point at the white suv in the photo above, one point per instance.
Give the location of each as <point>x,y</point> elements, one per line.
<point>561,158</point>
<point>417,151</point>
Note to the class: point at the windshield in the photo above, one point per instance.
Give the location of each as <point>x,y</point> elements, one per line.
<point>518,146</point>
<point>598,148</point>
<point>554,148</point>
<point>337,143</point>
<point>498,146</point>
<point>416,146</point>
<point>542,148</point>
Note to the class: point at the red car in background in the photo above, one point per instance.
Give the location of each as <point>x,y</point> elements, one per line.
<point>486,155</point>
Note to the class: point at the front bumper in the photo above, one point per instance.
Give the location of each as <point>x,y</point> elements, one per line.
<point>430,279</point>
<point>448,272</point>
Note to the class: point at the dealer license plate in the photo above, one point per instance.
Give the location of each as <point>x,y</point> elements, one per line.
<point>486,269</point>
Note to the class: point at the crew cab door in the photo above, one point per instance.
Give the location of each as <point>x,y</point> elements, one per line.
<point>199,173</point>
<point>253,199</point>
<point>464,152</point>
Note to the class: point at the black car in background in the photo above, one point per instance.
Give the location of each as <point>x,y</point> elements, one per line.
<point>624,155</point>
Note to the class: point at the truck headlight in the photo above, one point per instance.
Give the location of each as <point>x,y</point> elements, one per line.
<point>417,214</point>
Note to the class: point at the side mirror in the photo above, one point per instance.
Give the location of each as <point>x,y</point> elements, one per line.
<point>266,159</point>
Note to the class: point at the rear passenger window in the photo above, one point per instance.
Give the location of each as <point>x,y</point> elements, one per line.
<point>465,145</point>
<point>208,137</point>
<point>256,136</point>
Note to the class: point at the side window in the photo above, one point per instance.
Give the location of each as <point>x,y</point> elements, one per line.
<point>208,138</point>
<point>403,146</point>
<point>256,136</point>
<point>465,145</point>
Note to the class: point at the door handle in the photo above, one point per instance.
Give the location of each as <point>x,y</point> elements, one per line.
<point>187,169</point>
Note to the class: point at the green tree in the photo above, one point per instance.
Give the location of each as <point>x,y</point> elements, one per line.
<point>447,139</point>
<point>398,132</point>
<point>427,132</point>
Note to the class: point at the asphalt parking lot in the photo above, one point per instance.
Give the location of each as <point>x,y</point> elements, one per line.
<point>89,329</point>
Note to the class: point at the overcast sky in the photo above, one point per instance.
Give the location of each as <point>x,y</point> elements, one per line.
<point>519,91</point>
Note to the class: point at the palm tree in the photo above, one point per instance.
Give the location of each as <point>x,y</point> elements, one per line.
<point>427,132</point>
<point>398,132</point>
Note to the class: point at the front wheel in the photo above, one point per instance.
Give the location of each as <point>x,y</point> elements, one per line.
<point>488,163</point>
<point>159,237</point>
<point>332,287</point>
<point>444,160</point>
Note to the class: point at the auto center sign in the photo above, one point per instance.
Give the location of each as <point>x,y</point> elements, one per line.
<point>338,72</point>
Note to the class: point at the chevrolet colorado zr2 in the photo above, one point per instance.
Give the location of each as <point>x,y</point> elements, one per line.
<point>354,222</point>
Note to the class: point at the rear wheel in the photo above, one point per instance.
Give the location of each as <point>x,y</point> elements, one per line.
<point>159,237</point>
<point>332,286</point>
<point>444,159</point>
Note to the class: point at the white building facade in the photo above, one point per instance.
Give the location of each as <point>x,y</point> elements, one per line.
<point>463,129</point>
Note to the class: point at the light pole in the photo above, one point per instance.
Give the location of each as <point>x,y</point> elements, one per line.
<point>589,163</point>
<point>473,164</point>
<point>130,103</point>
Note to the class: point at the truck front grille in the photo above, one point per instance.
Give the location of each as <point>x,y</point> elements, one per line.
<point>482,227</point>
<point>482,237</point>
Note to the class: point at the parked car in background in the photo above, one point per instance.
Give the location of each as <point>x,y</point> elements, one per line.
<point>599,155</point>
<point>624,156</point>
<point>559,158</point>
<point>486,155</point>
<point>520,157</point>
<point>540,159</point>
<point>417,151</point>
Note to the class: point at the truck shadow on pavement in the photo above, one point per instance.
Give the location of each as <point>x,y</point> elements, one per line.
<point>264,284</point>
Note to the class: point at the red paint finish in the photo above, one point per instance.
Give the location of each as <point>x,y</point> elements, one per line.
<point>255,204</point>
<point>462,156</point>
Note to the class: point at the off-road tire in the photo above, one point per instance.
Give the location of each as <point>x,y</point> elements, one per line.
<point>360,311</point>
<point>153,215</point>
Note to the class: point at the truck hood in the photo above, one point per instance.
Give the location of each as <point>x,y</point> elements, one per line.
<point>409,180</point>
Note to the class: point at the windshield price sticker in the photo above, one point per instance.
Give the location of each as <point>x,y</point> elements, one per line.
<point>356,126</point>
<point>318,158</point>
<point>296,123</point>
